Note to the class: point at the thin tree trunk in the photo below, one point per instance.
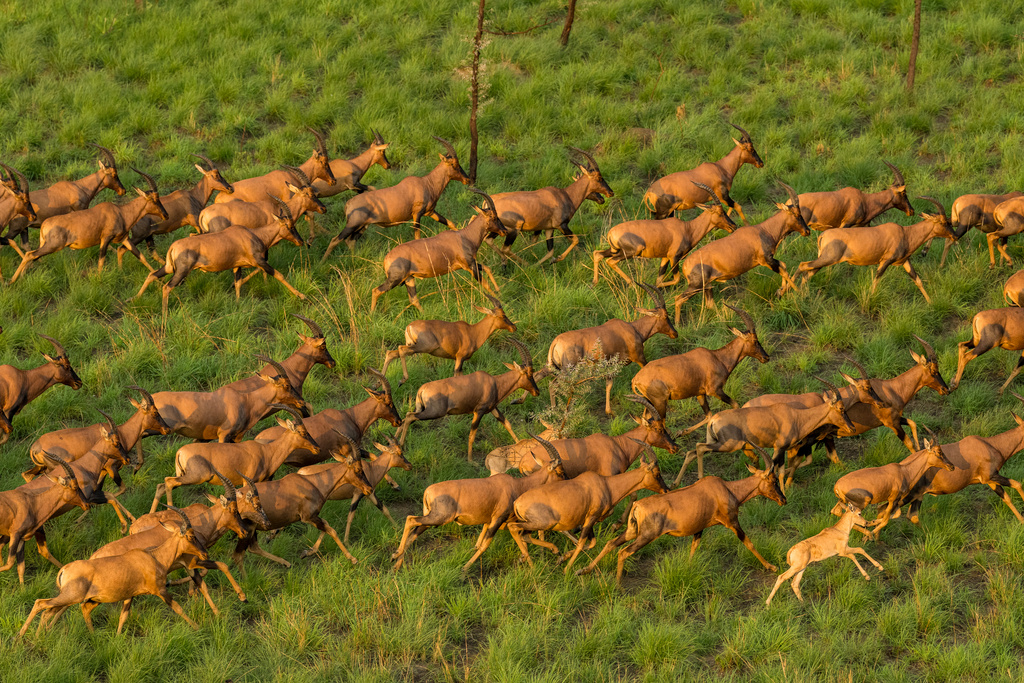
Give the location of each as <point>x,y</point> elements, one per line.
<point>570,15</point>
<point>474,91</point>
<point>912,66</point>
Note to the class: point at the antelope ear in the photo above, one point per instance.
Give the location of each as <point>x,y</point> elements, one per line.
<point>290,425</point>
<point>738,143</point>
<point>478,210</point>
<point>379,446</point>
<point>781,207</point>
<point>212,498</point>
<point>292,188</point>
<point>49,358</point>
<point>442,157</point>
<point>199,168</point>
<point>751,468</point>
<point>141,193</point>
<point>281,422</point>
<point>927,444</point>
<point>640,420</point>
<point>134,403</point>
<point>848,379</point>
<point>481,309</point>
<point>1017,418</point>
<point>918,358</point>
<point>384,146</point>
<point>735,332</point>
<point>646,311</point>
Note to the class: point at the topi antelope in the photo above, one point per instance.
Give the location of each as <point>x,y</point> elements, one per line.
<point>476,394</point>
<point>233,249</point>
<point>14,202</point>
<point>851,208</point>
<point>348,173</point>
<point>699,373</point>
<point>440,254</point>
<point>883,245</point>
<point>119,579</point>
<point>834,540</point>
<point>1009,220</point>
<point>317,167</point>
<point>614,339</point>
<point>974,211</point>
<point>679,191</point>
<point>457,340</point>
<point>486,502</point>
<point>888,484</point>
<point>509,456</point>
<point>668,239</point>
<point>551,208</point>
<point>69,195</point>
<point>742,250</point>
<point>18,388</point>
<point>409,201</point>
<point>99,225</point>
<point>579,503</point>
<point>997,327</point>
<point>259,212</point>
<point>691,510</point>
<point>182,206</point>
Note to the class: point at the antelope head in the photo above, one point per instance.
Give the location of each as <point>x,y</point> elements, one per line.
<point>152,422</point>
<point>649,462</point>
<point>941,227</point>
<point>751,344</point>
<point>294,426</point>
<point>254,511</point>
<point>930,363</point>
<point>213,176</point>
<point>717,214</point>
<point>769,487</point>
<point>899,191</point>
<point>393,452</point>
<point>663,322</point>
<point>284,218</point>
<point>554,465</point>
<point>317,342</point>
<point>835,403</point>
<point>18,186</point>
<point>321,161</point>
<point>526,379</point>
<point>588,167</point>
<point>305,189</point>
<point>229,502</point>
<point>746,145</point>
<point>498,313</point>
<point>385,404</point>
<point>152,197</point>
<point>192,546</point>
<point>488,213</point>
<point>65,373</point>
<point>108,171</point>
<point>933,453</point>
<point>113,445</point>
<point>451,159</point>
<point>654,422</point>
<point>67,481</point>
<point>379,147</point>
<point>286,393</point>
<point>796,222</point>
<point>865,392</point>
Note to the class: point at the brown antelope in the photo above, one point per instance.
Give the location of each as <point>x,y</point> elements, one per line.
<point>260,212</point>
<point>880,245</point>
<point>485,502</point>
<point>997,327</point>
<point>504,458</point>
<point>852,208</point>
<point>182,206</point>
<point>974,211</point>
<point>18,388</point>
<point>475,394</point>
<point>668,239</point>
<point>699,373</point>
<point>317,167</point>
<point>441,254</point>
<point>551,208</point>
<point>781,427</point>
<point>613,339</point>
<point>224,414</point>
<point>348,173</point>
<point>69,195</point>
<point>328,477</point>
<point>889,484</point>
<point>834,540</point>
<point>327,426</point>
<point>99,225</point>
<point>409,201</point>
<point>199,463</point>
<point>74,442</point>
<point>677,191</point>
<point>233,249</point>
<point>14,202</point>
<point>691,510</point>
<point>119,579</point>
<point>25,509</point>
<point>458,340</point>
<point>740,251</point>
<point>1009,220</point>
<point>1013,290</point>
<point>580,503</point>
<point>293,499</point>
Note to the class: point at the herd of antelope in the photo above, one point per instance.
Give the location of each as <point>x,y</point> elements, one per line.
<point>568,485</point>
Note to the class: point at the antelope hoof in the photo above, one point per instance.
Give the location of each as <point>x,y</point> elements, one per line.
<point>354,560</point>
<point>772,568</point>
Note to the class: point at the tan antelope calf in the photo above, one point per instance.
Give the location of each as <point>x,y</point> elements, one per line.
<point>834,540</point>
<point>18,388</point>
<point>348,173</point>
<point>668,239</point>
<point>675,192</point>
<point>457,340</point>
<point>486,502</point>
<point>691,510</point>
<point>317,167</point>
<point>997,327</point>
<point>409,201</point>
<point>852,208</point>
<point>476,394</point>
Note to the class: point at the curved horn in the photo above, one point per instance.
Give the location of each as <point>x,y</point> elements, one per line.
<point>62,463</point>
<point>185,524</point>
<point>745,136</point>
<point>929,351</point>
<point>152,183</point>
<point>854,363</point>
<point>292,410</point>
<point>827,384</point>
<point>552,453</point>
<point>110,421</point>
<point>56,345</point>
<point>447,145</point>
<point>145,394</point>
<point>22,180</point>
<point>654,294</point>
<point>935,439</point>
<point>764,456</point>
<point>10,172</point>
<point>282,206</point>
<point>107,154</point>
<point>648,451</point>
<point>591,165</point>
<point>494,300</point>
<point>1018,397</point>
<point>524,352</point>
<point>313,327</point>
<point>229,489</point>
<point>488,202</point>
<point>321,145</point>
<point>270,361</point>
<point>250,482</point>
<point>897,176</point>
<point>384,383</point>
<point>298,173</point>
<point>707,188</point>
<point>204,158</point>
<point>747,319</point>
<point>792,193</point>
<point>938,204</point>
<point>377,138</point>
<point>637,398</point>
<point>352,444</point>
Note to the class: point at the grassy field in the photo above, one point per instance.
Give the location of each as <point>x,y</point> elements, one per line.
<point>820,87</point>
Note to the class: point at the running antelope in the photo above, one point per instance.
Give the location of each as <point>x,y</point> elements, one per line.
<point>997,327</point>
<point>317,167</point>
<point>1009,219</point>
<point>256,213</point>
<point>852,208</point>
<point>18,388</point>
<point>348,173</point>
<point>14,203</point>
<point>975,211</point>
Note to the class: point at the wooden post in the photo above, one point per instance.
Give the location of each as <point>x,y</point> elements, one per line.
<point>570,15</point>
<point>912,66</point>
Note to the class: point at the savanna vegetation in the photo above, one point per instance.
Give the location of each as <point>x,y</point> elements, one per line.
<point>648,87</point>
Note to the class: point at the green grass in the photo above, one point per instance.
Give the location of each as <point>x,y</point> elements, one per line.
<point>818,84</point>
